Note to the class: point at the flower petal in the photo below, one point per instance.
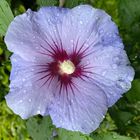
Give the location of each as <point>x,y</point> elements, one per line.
<point>49,20</point>
<point>26,98</point>
<point>112,72</point>
<point>85,25</point>
<point>25,36</point>
<point>81,108</point>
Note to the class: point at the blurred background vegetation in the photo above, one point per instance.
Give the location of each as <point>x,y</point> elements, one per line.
<point>122,121</point>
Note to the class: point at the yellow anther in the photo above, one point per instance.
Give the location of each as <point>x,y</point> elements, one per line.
<point>66,67</point>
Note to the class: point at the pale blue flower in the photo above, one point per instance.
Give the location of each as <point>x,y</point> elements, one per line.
<point>66,63</point>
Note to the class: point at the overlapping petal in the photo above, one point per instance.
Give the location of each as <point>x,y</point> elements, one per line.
<point>112,72</point>
<point>30,34</point>
<point>80,107</point>
<point>93,28</point>
<point>27,96</point>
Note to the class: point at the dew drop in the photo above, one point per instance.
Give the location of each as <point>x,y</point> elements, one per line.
<point>37,47</point>
<point>92,122</point>
<point>15,60</point>
<point>101,31</point>
<point>21,43</point>
<point>23,79</point>
<point>114,66</point>
<point>34,58</point>
<point>20,101</point>
<point>16,72</point>
<point>81,22</point>
<point>116,59</point>
<point>124,85</point>
<point>72,101</point>
<point>86,44</point>
<point>49,21</point>
<point>85,88</point>
<point>104,73</point>
<point>61,121</point>
<point>80,30</point>
<point>87,62</point>
<point>109,35</point>
<point>54,30</point>
<point>79,7</point>
<point>24,91</point>
<point>96,17</point>
<point>111,92</point>
<point>38,112</point>
<point>71,41</point>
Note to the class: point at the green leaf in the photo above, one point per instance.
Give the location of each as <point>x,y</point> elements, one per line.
<point>73,3</point>
<point>12,127</point>
<point>111,136</point>
<point>120,117</point>
<point>110,6</point>
<point>6,16</point>
<point>40,129</point>
<point>47,2</point>
<point>69,135</point>
<point>129,13</point>
<point>134,94</point>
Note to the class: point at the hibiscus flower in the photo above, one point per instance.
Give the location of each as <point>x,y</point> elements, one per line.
<point>66,63</point>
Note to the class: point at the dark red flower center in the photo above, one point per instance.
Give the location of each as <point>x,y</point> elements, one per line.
<point>65,66</point>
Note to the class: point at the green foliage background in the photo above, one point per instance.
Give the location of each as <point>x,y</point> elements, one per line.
<point>122,121</point>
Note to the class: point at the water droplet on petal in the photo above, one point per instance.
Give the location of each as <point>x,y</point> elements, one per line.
<point>92,122</point>
<point>20,101</point>
<point>21,43</point>
<point>37,47</point>
<point>114,66</point>
<point>23,79</point>
<point>71,41</point>
<point>16,72</point>
<point>79,7</point>
<point>72,101</point>
<point>111,92</point>
<point>14,59</point>
<point>24,91</point>
<point>81,22</point>
<point>61,121</point>
<point>116,59</point>
<point>87,62</point>
<point>86,44</point>
<point>38,112</point>
<point>34,58</point>
<point>104,73</point>
<point>49,21</point>
<point>110,35</point>
<point>101,31</point>
<point>124,84</point>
